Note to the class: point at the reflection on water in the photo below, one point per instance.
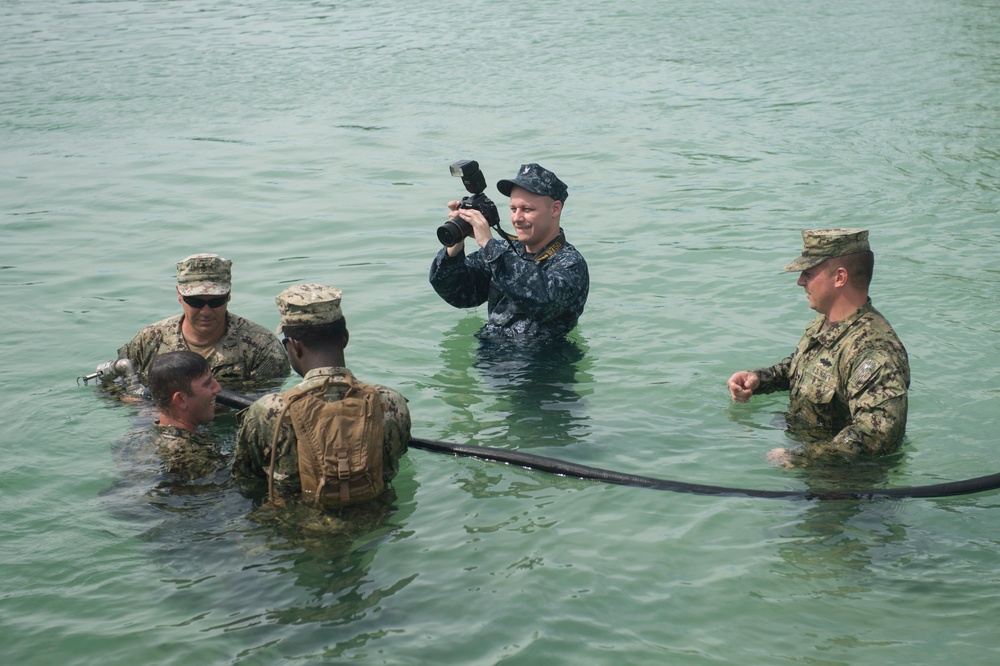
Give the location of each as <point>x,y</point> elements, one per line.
<point>837,547</point>
<point>329,553</point>
<point>832,538</point>
<point>202,531</point>
<point>523,393</point>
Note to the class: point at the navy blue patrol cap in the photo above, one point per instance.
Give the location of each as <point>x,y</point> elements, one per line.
<point>537,180</point>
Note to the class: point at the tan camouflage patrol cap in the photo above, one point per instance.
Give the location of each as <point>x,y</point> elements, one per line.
<point>823,244</point>
<point>204,275</point>
<point>308,305</point>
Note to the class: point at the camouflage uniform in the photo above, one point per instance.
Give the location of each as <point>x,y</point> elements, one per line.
<point>850,378</point>
<point>178,453</point>
<point>535,295</point>
<point>310,305</point>
<point>247,352</point>
<point>258,422</point>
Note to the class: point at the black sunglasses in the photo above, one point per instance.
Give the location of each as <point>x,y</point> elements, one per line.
<point>199,303</point>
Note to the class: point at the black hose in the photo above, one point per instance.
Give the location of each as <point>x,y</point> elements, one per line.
<point>563,468</point>
<point>233,399</point>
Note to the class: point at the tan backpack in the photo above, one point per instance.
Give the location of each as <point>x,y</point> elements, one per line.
<point>339,443</point>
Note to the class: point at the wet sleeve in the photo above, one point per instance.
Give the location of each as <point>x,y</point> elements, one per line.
<point>142,349</point>
<point>775,377</point>
<point>396,419</point>
<point>462,282</point>
<point>252,457</point>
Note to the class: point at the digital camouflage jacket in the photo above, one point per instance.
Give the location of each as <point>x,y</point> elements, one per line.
<point>524,296</point>
<point>186,454</point>
<point>850,380</point>
<point>247,352</point>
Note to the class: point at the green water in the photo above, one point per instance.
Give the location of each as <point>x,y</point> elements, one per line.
<point>309,142</point>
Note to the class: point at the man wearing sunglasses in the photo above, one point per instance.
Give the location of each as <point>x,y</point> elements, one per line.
<point>242,355</point>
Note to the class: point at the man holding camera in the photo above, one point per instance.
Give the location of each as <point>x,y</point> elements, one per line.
<point>535,284</point>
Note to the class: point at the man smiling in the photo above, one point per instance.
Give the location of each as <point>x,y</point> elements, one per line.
<point>183,389</point>
<point>536,285</point>
<point>849,376</point>
<point>237,350</point>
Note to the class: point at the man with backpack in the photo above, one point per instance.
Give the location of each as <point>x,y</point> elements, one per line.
<point>332,440</point>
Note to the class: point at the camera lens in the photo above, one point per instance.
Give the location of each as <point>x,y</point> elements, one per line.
<point>453,231</point>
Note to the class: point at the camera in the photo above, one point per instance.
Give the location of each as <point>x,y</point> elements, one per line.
<point>455,229</point>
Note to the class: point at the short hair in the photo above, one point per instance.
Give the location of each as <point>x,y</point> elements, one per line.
<point>319,336</point>
<point>859,266</point>
<point>172,372</point>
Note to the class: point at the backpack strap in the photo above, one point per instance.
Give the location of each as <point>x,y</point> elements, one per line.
<point>289,397</point>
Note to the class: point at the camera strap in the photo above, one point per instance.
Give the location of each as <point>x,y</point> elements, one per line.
<point>553,246</point>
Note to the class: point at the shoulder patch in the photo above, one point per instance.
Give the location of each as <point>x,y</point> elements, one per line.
<point>865,370</point>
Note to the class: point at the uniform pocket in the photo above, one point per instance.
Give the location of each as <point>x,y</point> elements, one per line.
<point>818,385</point>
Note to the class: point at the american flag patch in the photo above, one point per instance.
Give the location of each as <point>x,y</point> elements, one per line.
<point>864,372</point>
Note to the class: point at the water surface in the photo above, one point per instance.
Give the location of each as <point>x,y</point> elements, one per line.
<point>309,142</point>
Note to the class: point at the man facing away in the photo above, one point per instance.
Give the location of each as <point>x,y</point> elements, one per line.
<point>536,285</point>
<point>237,350</point>
<point>277,441</point>
<point>849,375</point>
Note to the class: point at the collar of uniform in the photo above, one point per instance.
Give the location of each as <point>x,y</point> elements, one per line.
<point>329,371</point>
<point>829,336</point>
<point>173,432</point>
<point>226,333</point>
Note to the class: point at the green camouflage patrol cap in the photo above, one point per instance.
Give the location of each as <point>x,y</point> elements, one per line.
<point>823,244</point>
<point>308,305</point>
<point>536,179</point>
<point>204,275</point>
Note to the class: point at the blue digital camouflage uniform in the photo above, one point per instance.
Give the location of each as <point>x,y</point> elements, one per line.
<point>850,379</point>
<point>253,441</point>
<point>247,352</point>
<point>525,297</point>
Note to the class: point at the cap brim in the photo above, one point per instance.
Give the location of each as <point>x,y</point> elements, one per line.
<point>804,263</point>
<point>505,187</point>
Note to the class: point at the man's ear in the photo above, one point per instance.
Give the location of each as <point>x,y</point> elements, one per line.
<point>294,348</point>
<point>179,401</point>
<point>840,277</point>
<point>556,207</point>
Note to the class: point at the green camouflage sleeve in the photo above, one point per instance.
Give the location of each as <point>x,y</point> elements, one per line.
<point>148,343</point>
<point>268,359</point>
<point>396,417</point>
<point>774,378</point>
<point>252,458</point>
